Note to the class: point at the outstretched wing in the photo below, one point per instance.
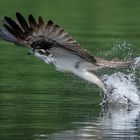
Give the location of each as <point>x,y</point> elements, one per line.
<point>39,35</point>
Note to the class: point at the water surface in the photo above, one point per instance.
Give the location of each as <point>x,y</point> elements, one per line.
<point>39,103</point>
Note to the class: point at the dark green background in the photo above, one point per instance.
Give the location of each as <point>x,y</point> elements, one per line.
<point>36,99</point>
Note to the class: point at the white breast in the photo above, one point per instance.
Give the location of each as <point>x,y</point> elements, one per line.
<point>66,61</point>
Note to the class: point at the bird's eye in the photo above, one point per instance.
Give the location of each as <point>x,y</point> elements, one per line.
<point>41,51</point>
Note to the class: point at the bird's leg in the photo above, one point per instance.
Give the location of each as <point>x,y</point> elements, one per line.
<point>91,77</point>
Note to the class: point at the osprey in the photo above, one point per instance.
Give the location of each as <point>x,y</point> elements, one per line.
<point>49,42</point>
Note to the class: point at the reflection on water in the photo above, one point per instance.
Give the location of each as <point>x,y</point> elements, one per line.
<point>115,124</point>
<point>121,123</point>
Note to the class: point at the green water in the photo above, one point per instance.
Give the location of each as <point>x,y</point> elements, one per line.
<point>39,103</point>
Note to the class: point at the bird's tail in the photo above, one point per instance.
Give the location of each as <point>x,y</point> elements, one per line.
<point>115,63</point>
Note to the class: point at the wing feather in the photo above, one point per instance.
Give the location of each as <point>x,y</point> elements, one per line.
<point>23,23</point>
<point>39,33</point>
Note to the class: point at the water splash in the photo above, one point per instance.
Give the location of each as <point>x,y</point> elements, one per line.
<point>122,87</point>
<point>136,63</point>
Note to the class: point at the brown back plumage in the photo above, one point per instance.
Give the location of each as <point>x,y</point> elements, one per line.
<point>41,35</point>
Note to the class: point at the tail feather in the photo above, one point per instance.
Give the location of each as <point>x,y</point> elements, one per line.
<point>113,64</point>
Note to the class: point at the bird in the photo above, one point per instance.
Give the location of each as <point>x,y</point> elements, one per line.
<point>51,43</point>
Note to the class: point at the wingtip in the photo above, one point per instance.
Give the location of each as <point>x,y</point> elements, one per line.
<point>32,21</point>
<point>50,22</point>
<point>18,13</point>
<point>7,18</point>
<point>41,20</point>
